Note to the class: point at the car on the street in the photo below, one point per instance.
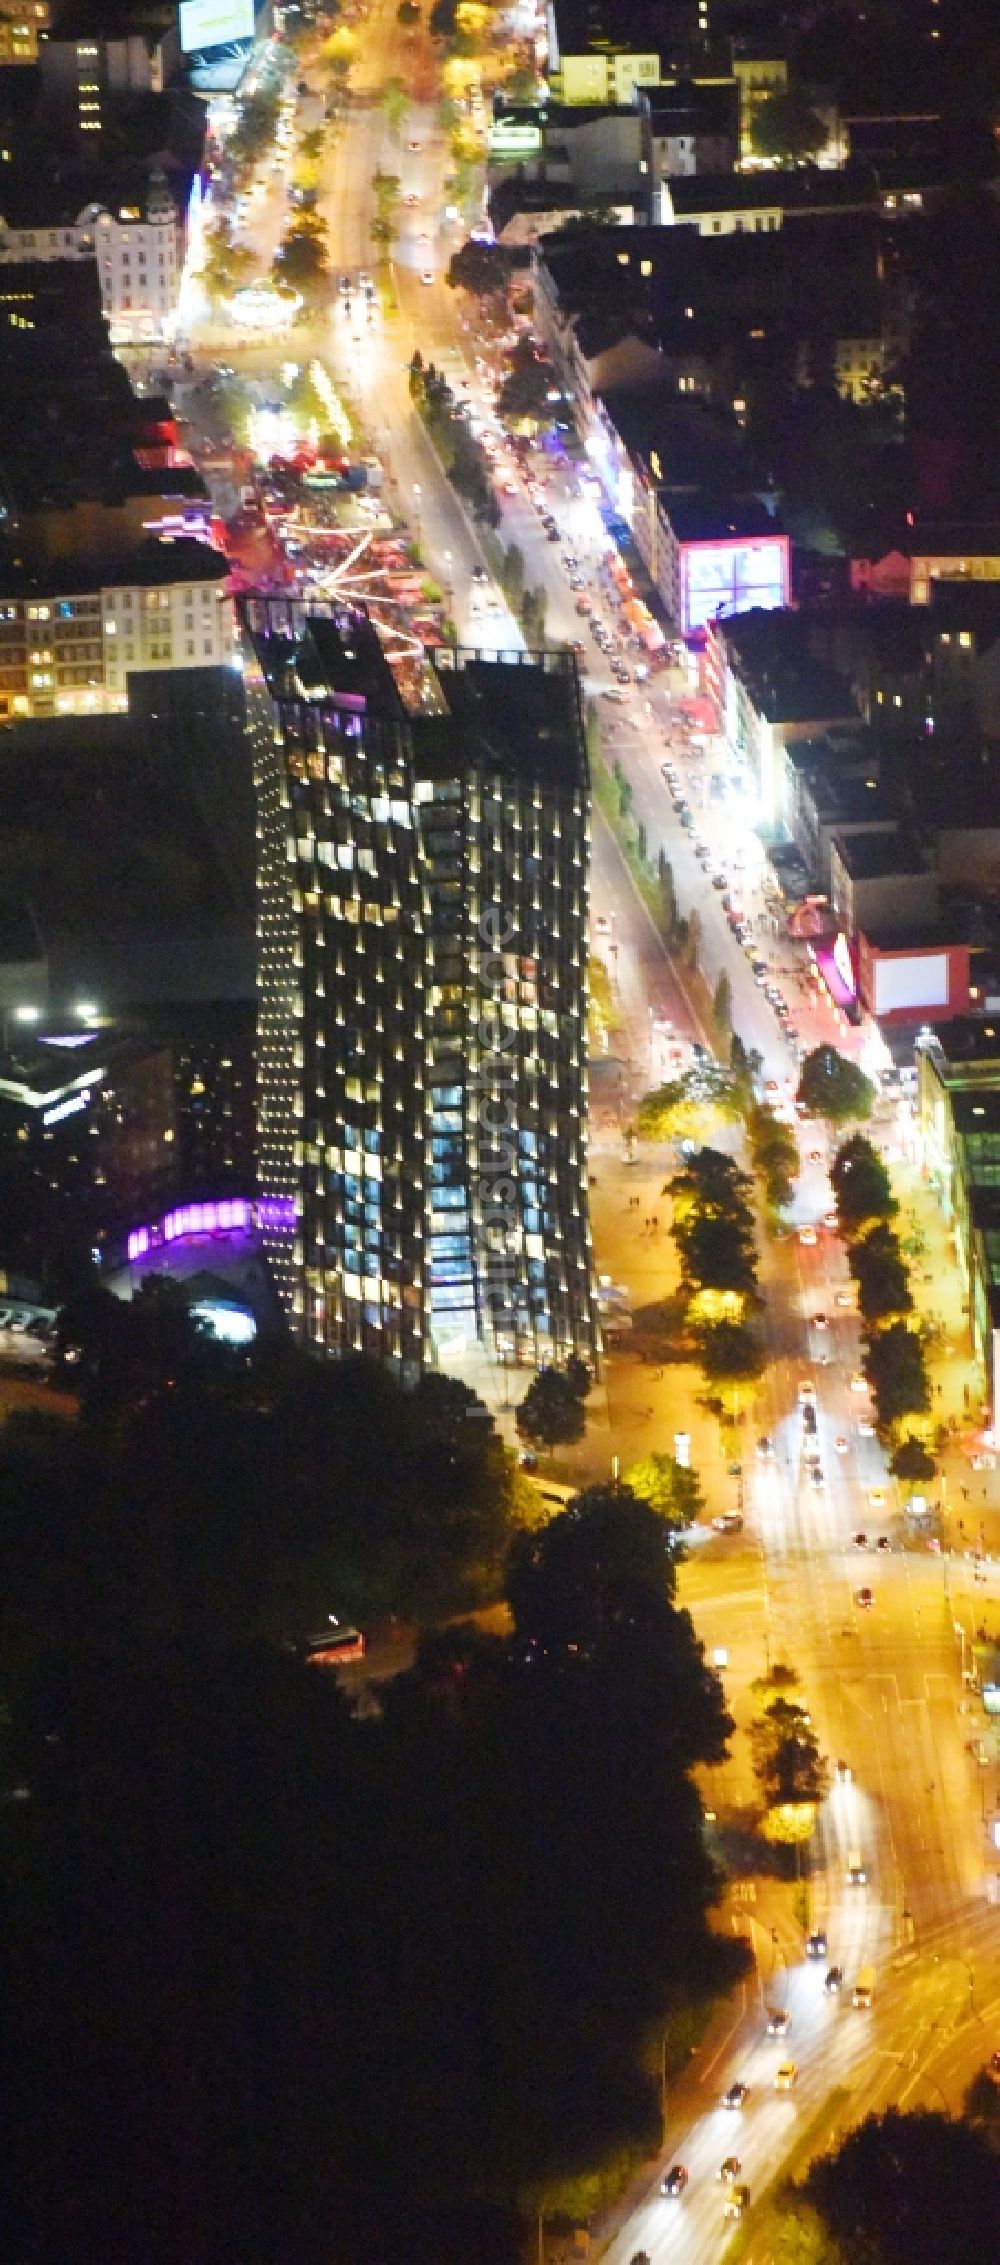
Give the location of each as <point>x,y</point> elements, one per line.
<point>675,2180</point>
<point>844,1298</point>
<point>615,693</point>
<point>840,1443</point>
<point>808,1236</point>
<point>718,880</point>
<point>843,1773</point>
<point>413,145</point>
<point>765,1447</point>
<point>730,2166</point>
<point>833,1980</point>
<point>816,1474</point>
<point>735,2095</point>
<point>859,1383</point>
<point>427,275</point>
<point>786,2076</point>
<point>602,925</point>
<point>779,2021</point>
<point>866,1428</point>
<point>411,197</point>
<point>860,1540</point>
<point>816,1944</point>
<point>819,1321</point>
<point>807,1392</point>
<point>728,1522</point>
<point>737,2200</point>
<point>864,1598</point>
<point>882,1541</point>
<point>876,1497</point>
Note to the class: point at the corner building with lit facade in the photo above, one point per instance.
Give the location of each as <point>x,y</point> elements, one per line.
<point>423,854</point>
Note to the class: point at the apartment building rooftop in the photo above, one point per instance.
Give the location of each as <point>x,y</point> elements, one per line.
<point>153,564</point>
<point>963,1044</point>
<point>786,681</point>
<point>873,855</point>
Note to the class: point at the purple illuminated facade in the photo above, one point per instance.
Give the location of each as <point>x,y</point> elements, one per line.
<point>230,1214</point>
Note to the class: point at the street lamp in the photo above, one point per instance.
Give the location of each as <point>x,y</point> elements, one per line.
<point>416,505</point>
<point>448,582</point>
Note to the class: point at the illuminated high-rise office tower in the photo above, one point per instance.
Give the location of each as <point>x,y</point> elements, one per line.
<point>422,1083</point>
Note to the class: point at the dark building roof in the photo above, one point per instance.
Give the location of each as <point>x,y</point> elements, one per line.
<point>955,786</point>
<point>643,26</point>
<point>557,117</point>
<point>802,189</point>
<point>954,538</point>
<point>824,277</point>
<point>694,446</point>
<point>95,19</point>
<point>787,682</point>
<point>692,107</point>
<point>41,296</point>
<point>345,656</point>
<point>505,716</point>
<point>957,603</point>
<point>513,195</point>
<point>976,1109</point>
<point>709,519</point>
<point>964,1041</point>
<point>878,856</point>
<point>54,193</point>
<point>152,564</point>
<point>133,839</point>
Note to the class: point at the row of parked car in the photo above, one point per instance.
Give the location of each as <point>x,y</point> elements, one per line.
<point>22,1322</point>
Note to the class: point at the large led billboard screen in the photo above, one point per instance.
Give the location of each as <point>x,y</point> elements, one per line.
<point>213,23</point>
<point>906,985</point>
<point>730,577</point>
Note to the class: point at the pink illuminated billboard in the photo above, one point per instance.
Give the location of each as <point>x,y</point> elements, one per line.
<point>730,577</point>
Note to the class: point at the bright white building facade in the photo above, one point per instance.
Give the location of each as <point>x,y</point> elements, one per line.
<point>139,248</point>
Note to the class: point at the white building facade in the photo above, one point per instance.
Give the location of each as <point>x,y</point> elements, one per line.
<point>73,655</point>
<point>139,249</point>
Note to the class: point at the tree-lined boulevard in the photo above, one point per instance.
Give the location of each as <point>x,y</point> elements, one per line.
<point>447,1956</point>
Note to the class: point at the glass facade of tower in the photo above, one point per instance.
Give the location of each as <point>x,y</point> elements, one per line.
<point>422,921</point>
<point>503,799</point>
